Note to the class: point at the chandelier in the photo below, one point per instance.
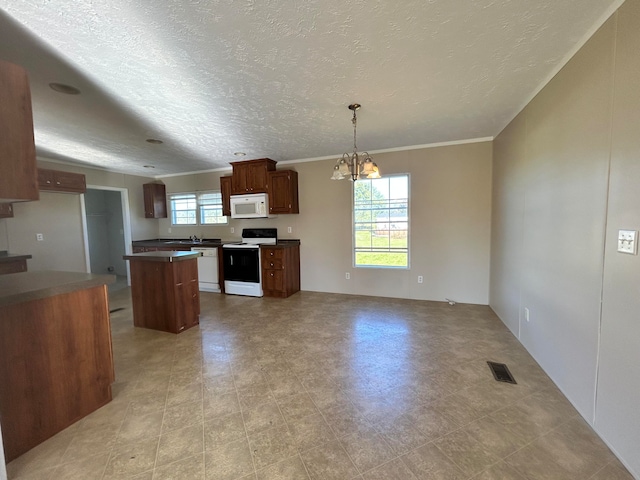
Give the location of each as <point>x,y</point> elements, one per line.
<point>354,165</point>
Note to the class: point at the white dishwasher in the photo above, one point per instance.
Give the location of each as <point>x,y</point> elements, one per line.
<point>208,269</point>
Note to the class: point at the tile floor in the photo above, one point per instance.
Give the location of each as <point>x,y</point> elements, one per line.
<point>323,386</point>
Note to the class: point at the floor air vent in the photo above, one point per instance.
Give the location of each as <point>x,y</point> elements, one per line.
<point>116,310</point>
<point>501,373</point>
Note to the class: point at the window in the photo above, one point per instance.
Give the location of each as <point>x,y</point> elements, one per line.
<point>211,208</point>
<point>183,209</point>
<point>381,222</point>
<point>202,208</point>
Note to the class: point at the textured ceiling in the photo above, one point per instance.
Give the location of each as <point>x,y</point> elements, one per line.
<point>273,78</point>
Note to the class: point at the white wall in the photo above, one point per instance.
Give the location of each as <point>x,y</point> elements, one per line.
<point>450,211</point>
<point>553,204</point>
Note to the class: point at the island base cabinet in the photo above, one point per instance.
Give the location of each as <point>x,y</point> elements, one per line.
<point>56,365</point>
<point>165,295</point>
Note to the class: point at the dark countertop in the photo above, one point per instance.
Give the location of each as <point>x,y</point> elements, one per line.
<point>286,242</point>
<point>207,242</point>
<point>8,257</point>
<point>168,256</point>
<point>177,242</point>
<point>28,286</point>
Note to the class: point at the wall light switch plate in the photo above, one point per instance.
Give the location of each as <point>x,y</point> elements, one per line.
<point>39,237</point>
<point>628,241</point>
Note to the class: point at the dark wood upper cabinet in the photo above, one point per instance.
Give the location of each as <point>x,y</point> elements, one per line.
<point>283,192</point>
<point>261,176</point>
<point>59,181</point>
<point>225,190</point>
<point>18,178</point>
<point>251,176</point>
<point>155,200</point>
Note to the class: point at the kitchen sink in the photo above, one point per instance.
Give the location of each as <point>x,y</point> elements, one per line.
<point>191,242</point>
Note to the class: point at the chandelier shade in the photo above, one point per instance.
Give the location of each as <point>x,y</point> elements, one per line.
<point>355,165</point>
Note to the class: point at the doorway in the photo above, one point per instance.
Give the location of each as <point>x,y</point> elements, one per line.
<point>107,233</point>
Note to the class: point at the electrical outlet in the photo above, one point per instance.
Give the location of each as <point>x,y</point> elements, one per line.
<point>347,276</point>
<point>526,314</point>
<point>289,229</point>
<point>628,241</point>
<point>39,237</point>
<point>169,230</point>
<point>420,278</point>
<point>233,230</point>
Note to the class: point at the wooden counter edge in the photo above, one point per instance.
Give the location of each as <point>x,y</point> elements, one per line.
<point>34,285</point>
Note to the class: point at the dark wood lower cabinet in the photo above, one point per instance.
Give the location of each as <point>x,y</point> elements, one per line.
<point>165,293</point>
<point>280,270</point>
<point>6,210</point>
<point>56,365</point>
<point>14,266</point>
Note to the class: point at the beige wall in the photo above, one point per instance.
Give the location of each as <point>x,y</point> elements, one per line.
<point>141,228</point>
<point>450,210</point>
<point>58,217</point>
<point>618,395</point>
<point>552,206</point>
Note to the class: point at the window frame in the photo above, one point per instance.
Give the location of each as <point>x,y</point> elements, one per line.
<point>197,211</point>
<point>354,249</point>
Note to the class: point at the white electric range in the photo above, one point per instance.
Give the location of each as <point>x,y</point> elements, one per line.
<point>242,268</point>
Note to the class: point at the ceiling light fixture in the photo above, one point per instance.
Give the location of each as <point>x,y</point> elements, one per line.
<point>355,165</point>
<point>154,141</point>
<point>148,166</point>
<point>66,89</point>
<point>239,154</point>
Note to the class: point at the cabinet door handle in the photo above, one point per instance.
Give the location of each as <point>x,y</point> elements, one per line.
<point>271,253</point>
<point>272,274</point>
<point>272,264</point>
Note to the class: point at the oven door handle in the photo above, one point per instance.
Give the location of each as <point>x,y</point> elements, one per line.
<point>231,259</point>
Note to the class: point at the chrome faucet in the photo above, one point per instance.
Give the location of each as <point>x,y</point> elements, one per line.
<point>195,239</point>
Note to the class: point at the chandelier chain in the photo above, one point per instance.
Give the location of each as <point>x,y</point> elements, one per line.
<point>354,120</point>
<point>355,166</point>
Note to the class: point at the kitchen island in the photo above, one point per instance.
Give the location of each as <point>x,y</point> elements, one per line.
<point>56,362</point>
<point>164,290</point>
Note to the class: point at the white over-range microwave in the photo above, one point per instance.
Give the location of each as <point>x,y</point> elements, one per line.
<point>255,205</point>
